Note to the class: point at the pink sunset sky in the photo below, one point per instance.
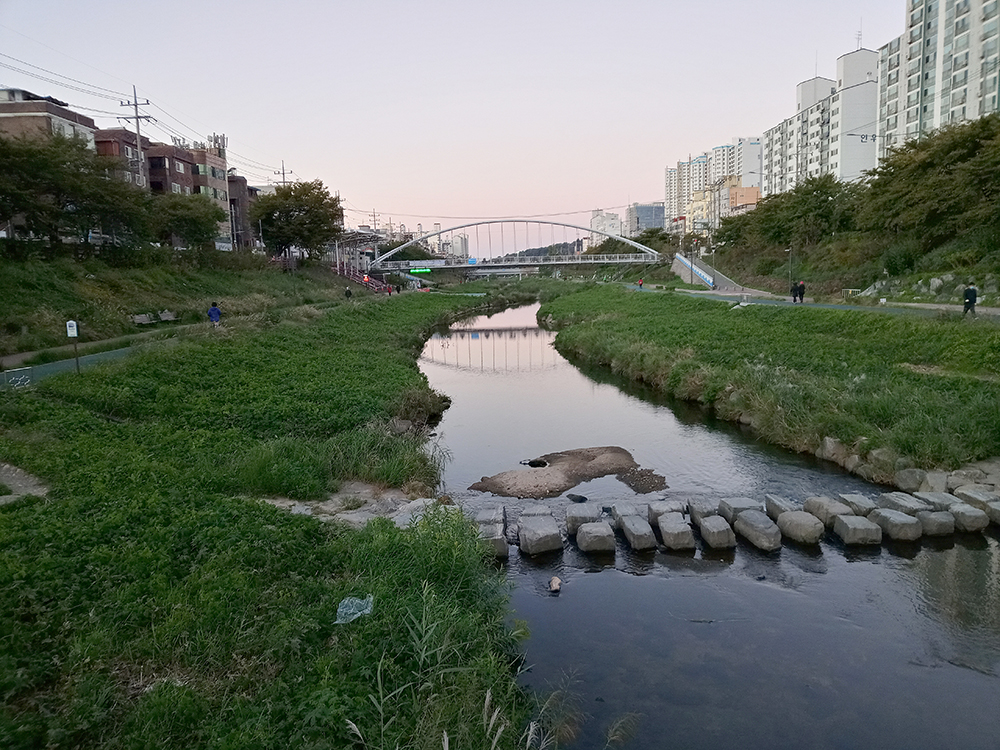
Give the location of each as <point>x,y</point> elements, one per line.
<point>430,110</point>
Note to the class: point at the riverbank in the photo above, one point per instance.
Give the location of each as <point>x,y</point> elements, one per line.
<point>879,393</point>
<point>151,599</point>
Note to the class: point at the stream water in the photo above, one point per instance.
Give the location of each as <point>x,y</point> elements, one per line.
<point>896,647</point>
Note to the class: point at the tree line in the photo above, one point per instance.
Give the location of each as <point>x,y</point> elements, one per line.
<point>58,197</point>
<point>930,195</point>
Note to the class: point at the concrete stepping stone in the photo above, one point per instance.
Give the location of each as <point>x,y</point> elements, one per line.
<point>937,500</point>
<point>902,502</point>
<point>595,537</point>
<point>675,531</point>
<point>857,530</point>
<point>993,511</point>
<point>730,508</point>
<point>702,508</point>
<point>859,504</point>
<point>896,524</point>
<point>801,527</point>
<point>492,515</point>
<point>621,510</point>
<point>754,526</point>
<point>577,515</point>
<point>716,532</point>
<point>536,510</point>
<point>977,495</point>
<point>936,522</point>
<point>495,537</point>
<point>826,509</point>
<point>638,532</point>
<point>658,507</point>
<point>775,505</point>
<point>539,534</point>
<point>969,519</point>
<point>962,477</point>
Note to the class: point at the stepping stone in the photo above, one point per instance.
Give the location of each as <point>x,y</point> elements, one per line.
<point>826,509</point>
<point>492,515</point>
<point>730,508</point>
<point>859,504</point>
<point>962,477</point>
<point>857,530</point>
<point>936,481</point>
<point>536,510</point>
<point>801,527</point>
<point>968,518</point>
<point>539,534</point>
<point>577,515</point>
<point>493,533</point>
<point>754,525</point>
<point>658,507</point>
<point>937,500</point>
<point>776,505</point>
<point>716,532</point>
<point>977,495</point>
<point>702,508</point>
<point>993,511</point>
<point>896,524</point>
<point>675,531</point>
<point>902,502</point>
<point>936,522</point>
<point>596,537</point>
<point>621,510</point>
<point>638,532</point>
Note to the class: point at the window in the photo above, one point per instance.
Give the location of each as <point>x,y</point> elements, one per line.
<point>199,169</point>
<point>174,187</point>
<point>179,166</point>
<point>156,187</point>
<point>157,162</point>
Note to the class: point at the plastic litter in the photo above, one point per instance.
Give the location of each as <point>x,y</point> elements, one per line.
<point>351,608</point>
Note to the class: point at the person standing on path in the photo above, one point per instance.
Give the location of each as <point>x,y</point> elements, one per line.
<point>795,292</point>
<point>970,299</point>
<point>802,292</point>
<point>640,285</point>
<point>215,315</point>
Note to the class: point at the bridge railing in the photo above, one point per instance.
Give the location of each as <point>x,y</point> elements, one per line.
<point>534,260</point>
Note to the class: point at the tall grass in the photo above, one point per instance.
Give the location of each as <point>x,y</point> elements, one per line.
<point>927,389</point>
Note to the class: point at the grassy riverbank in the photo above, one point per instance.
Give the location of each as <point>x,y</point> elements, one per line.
<point>152,602</point>
<point>924,388</point>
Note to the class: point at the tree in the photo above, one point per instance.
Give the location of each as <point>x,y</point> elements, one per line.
<point>189,220</point>
<point>302,215</point>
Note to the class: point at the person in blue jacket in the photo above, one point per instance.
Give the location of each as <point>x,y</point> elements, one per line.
<point>215,315</point>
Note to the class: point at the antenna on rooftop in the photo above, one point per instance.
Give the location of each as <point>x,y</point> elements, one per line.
<point>861,24</point>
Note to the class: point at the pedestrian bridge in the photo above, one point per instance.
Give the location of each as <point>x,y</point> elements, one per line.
<point>514,243</point>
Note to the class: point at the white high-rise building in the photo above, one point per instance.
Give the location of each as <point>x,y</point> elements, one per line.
<point>943,69</point>
<point>603,222</point>
<point>832,131</point>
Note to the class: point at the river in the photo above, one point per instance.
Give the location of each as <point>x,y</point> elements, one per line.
<point>896,647</point>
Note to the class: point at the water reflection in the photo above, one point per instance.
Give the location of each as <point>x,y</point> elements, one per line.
<point>826,647</point>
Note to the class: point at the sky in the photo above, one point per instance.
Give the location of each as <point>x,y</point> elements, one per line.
<point>438,110</point>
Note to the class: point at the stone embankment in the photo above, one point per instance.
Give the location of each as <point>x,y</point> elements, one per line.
<point>678,525</point>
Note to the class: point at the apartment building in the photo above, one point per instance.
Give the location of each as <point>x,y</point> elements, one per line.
<point>945,68</point>
<point>170,169</point>
<point>832,131</point>
<point>608,223</point>
<point>241,198</point>
<point>122,145</point>
<point>24,114</point>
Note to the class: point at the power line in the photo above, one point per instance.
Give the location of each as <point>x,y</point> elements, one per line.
<point>55,82</point>
<point>60,75</point>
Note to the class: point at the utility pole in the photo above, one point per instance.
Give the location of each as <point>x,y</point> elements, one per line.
<point>135,104</point>
<point>282,173</point>
<point>374,221</point>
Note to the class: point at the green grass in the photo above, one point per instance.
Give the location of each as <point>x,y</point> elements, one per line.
<point>925,388</point>
<point>151,601</point>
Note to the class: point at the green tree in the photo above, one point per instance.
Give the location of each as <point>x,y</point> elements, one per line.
<point>187,220</point>
<point>302,215</point>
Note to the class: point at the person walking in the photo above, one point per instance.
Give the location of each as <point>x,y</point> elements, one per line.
<point>640,285</point>
<point>802,292</point>
<point>795,292</point>
<point>970,299</point>
<point>215,315</point>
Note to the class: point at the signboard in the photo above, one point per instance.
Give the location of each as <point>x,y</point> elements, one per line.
<point>472,261</point>
<point>71,331</point>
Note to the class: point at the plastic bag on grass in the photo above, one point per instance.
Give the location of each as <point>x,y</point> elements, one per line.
<point>351,608</point>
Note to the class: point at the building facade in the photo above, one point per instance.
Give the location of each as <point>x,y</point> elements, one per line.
<point>120,143</point>
<point>944,68</point>
<point>24,114</point>
<point>241,198</point>
<point>170,169</point>
<point>642,216</point>
<point>603,222</point>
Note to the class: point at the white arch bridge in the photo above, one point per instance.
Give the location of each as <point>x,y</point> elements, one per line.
<point>513,243</point>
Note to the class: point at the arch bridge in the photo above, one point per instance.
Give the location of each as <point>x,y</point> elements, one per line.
<point>496,248</point>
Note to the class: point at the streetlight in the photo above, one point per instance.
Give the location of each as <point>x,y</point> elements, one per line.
<point>789,251</point>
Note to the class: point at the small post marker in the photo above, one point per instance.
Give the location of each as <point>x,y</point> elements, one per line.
<point>73,333</point>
